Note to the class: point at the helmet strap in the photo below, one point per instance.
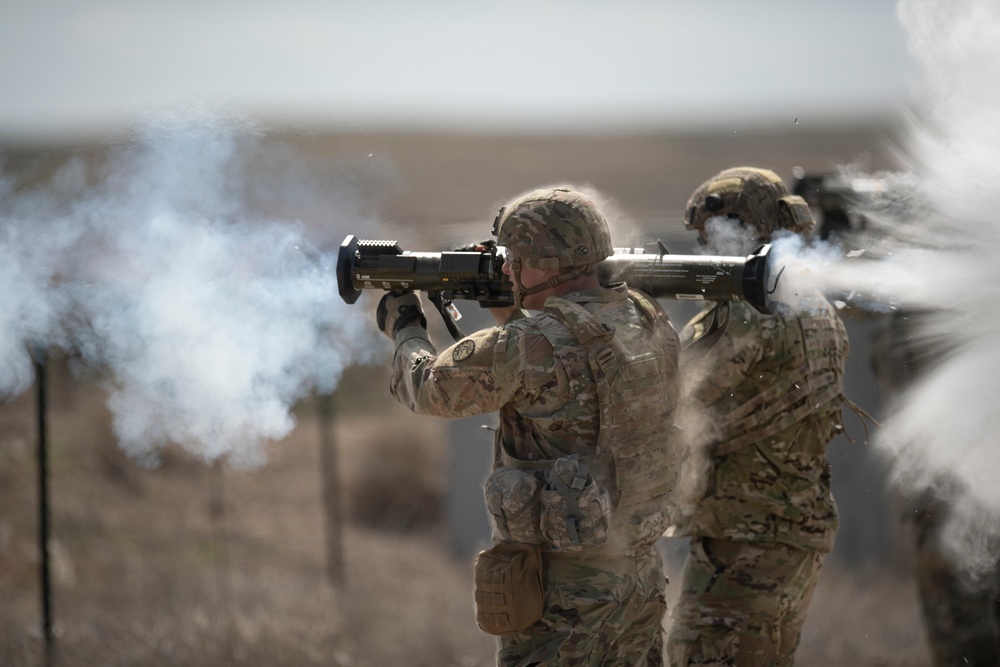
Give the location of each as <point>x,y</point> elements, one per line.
<point>515,270</point>
<point>521,291</point>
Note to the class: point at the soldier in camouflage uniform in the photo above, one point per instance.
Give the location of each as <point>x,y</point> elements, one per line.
<point>585,380</point>
<point>761,401</point>
<point>961,615</point>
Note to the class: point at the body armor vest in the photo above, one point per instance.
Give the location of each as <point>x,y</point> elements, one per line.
<point>811,384</point>
<point>636,458</point>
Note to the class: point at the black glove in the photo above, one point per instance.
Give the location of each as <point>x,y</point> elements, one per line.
<point>482,246</point>
<point>397,310</point>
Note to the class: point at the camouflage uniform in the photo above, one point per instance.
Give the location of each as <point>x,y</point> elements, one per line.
<point>604,603</point>
<point>768,515</point>
<point>961,617</point>
<point>767,393</point>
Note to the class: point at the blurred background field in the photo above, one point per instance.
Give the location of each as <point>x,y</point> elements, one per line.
<point>190,563</point>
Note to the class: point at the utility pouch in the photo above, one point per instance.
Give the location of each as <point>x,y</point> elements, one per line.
<point>513,499</point>
<point>508,587</point>
<point>576,510</point>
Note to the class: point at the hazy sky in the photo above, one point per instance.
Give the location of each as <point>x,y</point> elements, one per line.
<point>67,65</point>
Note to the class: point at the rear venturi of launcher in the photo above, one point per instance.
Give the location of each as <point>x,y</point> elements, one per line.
<point>477,276</point>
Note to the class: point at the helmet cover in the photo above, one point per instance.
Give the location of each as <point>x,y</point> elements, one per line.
<point>757,197</point>
<point>554,228</point>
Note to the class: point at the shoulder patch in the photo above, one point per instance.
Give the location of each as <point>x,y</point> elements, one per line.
<point>464,350</point>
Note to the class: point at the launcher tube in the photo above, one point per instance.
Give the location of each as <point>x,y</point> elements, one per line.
<point>384,265</point>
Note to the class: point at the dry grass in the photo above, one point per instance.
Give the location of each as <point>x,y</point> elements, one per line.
<point>190,564</point>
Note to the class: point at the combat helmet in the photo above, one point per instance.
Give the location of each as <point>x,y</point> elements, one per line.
<point>757,197</point>
<point>553,228</point>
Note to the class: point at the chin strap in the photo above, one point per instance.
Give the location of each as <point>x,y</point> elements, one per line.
<point>520,291</point>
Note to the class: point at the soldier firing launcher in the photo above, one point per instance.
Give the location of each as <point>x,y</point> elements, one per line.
<point>839,200</point>
<point>477,276</point>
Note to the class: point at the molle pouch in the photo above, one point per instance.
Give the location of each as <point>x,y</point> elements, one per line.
<point>575,509</point>
<point>514,502</point>
<point>509,595</point>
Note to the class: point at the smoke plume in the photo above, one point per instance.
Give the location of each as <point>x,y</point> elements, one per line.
<point>168,272</point>
<point>935,246</point>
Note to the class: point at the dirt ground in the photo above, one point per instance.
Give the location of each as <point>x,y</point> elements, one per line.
<point>196,564</point>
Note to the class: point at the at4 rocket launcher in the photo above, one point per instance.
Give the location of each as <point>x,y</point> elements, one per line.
<point>477,275</point>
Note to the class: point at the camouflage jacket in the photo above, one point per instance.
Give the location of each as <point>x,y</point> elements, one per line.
<point>765,401</point>
<point>548,401</point>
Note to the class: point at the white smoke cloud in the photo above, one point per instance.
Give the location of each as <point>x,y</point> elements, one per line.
<point>208,317</point>
<point>949,422</point>
<point>728,236</point>
<point>935,246</point>
<point>31,256</point>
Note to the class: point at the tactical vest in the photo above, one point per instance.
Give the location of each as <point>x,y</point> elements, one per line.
<point>637,456</point>
<point>812,388</point>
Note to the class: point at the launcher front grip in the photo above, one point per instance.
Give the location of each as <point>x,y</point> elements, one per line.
<point>384,265</point>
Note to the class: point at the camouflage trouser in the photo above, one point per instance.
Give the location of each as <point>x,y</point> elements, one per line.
<point>607,614</point>
<point>962,617</point>
<point>742,604</point>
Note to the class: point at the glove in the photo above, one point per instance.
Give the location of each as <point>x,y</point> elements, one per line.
<point>483,246</point>
<point>397,310</point>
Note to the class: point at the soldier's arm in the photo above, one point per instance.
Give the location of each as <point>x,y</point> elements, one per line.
<point>476,375</point>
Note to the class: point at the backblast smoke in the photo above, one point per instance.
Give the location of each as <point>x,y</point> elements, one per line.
<point>165,273</point>
<point>934,246</point>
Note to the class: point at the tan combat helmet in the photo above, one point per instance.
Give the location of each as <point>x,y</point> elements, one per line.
<point>757,197</point>
<point>553,228</point>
